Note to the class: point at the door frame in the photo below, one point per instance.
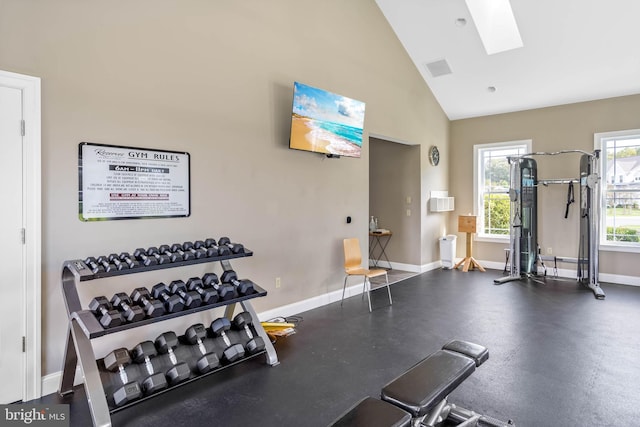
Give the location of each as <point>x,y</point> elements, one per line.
<point>32,208</point>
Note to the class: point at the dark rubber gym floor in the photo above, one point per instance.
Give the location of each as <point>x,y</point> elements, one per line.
<point>558,357</point>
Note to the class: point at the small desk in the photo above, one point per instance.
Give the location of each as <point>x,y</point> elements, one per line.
<point>376,241</point>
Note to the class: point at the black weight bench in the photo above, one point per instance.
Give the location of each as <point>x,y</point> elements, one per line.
<point>422,392</point>
<point>370,412</point>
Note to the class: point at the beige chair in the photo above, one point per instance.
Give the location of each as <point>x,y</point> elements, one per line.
<point>353,267</point>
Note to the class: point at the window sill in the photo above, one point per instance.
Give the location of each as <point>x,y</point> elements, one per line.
<point>492,239</point>
<point>609,247</point>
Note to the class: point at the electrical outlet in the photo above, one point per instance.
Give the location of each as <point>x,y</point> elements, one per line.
<point>408,200</point>
<point>549,251</point>
<point>408,212</point>
<point>278,283</point>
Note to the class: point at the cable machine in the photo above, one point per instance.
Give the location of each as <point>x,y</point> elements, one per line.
<point>523,219</point>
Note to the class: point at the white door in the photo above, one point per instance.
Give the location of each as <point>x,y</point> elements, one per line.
<point>12,271</point>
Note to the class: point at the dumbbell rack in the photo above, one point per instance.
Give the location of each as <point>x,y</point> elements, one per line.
<point>83,327</point>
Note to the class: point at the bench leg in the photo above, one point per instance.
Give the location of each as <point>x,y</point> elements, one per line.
<point>471,422</point>
<point>467,418</point>
<point>437,414</point>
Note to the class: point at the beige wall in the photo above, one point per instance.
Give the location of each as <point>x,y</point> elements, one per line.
<point>550,129</point>
<point>214,78</point>
<point>434,178</point>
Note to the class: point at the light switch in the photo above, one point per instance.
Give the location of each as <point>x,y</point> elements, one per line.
<point>408,212</point>
<point>408,200</point>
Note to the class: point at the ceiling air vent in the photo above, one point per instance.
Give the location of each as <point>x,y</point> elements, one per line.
<point>439,68</point>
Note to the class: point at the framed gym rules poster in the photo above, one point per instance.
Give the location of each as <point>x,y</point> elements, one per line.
<point>132,183</point>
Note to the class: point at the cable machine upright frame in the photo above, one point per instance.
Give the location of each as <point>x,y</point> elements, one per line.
<point>588,251</point>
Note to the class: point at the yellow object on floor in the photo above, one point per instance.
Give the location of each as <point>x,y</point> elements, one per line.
<point>278,329</point>
<point>277,325</point>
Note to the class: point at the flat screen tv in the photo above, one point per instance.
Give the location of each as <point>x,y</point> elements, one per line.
<point>323,122</point>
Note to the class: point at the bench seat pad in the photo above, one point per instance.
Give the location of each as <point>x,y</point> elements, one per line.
<point>423,386</point>
<point>370,412</point>
<point>478,353</point>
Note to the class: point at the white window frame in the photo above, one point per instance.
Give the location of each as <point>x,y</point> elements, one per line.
<point>599,141</point>
<point>478,183</point>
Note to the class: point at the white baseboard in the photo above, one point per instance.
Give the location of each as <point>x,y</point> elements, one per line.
<point>619,279</point>
<point>408,267</point>
<point>51,382</point>
<point>493,265</point>
<point>428,267</point>
<point>328,298</point>
<point>310,303</point>
<point>567,273</point>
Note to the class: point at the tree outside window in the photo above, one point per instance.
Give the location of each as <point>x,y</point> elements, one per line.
<point>492,185</point>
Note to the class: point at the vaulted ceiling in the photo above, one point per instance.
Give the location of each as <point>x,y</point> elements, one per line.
<point>573,51</point>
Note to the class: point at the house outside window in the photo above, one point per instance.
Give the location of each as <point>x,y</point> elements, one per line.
<point>491,187</point>
<point>620,189</point>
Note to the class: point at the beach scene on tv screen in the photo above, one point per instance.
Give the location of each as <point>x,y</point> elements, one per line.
<point>325,122</point>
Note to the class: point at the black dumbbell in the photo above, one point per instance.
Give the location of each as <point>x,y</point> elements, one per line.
<point>243,321</point>
<point>173,303</point>
<point>131,312</point>
<point>208,295</point>
<point>232,352</point>
<point>118,360</point>
<point>173,256</point>
<point>197,253</point>
<point>152,307</point>
<point>141,255</point>
<point>180,371</point>
<point>92,263</point>
<point>200,246</point>
<point>107,316</point>
<point>236,248</point>
<point>177,248</point>
<point>132,263</point>
<point>209,360</point>
<point>191,298</point>
<point>155,381</point>
<point>226,290</point>
<point>104,262</point>
<point>244,287</point>
<point>120,265</point>
<point>214,250</point>
<point>160,257</point>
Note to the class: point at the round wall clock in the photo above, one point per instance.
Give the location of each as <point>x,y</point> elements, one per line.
<point>434,155</point>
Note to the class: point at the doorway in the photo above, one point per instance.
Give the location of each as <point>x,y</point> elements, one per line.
<point>21,231</point>
<point>394,198</point>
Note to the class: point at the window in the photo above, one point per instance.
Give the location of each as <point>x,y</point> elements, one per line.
<point>620,192</point>
<point>491,184</point>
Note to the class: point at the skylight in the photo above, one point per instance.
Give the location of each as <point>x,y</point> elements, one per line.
<point>496,25</point>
